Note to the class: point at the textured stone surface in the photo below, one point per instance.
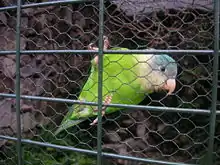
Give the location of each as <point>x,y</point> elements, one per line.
<point>137,7</point>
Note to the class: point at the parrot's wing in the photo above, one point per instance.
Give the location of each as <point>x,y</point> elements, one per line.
<point>67,122</point>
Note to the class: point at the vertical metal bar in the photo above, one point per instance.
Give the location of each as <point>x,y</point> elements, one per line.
<point>19,149</point>
<point>100,71</point>
<point>215,83</point>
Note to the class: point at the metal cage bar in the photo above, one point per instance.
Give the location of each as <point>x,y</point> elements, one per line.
<point>99,152</point>
<point>158,51</point>
<point>147,108</point>
<point>100,82</point>
<point>215,82</point>
<point>68,148</point>
<point>18,116</point>
<point>43,4</point>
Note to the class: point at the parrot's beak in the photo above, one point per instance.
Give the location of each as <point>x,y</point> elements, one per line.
<point>170,85</point>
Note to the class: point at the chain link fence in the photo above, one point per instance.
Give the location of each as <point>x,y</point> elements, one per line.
<point>55,63</point>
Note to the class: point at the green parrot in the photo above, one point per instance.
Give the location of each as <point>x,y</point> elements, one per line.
<point>126,80</point>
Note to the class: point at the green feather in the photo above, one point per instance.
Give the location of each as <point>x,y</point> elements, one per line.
<point>67,122</point>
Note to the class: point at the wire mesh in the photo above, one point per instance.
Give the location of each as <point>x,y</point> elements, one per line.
<point>159,135</point>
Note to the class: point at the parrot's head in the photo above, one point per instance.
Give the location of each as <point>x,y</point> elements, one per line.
<point>167,72</point>
<point>161,72</point>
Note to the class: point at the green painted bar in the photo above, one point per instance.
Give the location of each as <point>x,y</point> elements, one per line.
<point>17,85</point>
<point>74,52</point>
<point>213,112</point>
<point>141,107</point>
<point>100,82</point>
<point>42,4</point>
<point>45,144</point>
<point>215,82</point>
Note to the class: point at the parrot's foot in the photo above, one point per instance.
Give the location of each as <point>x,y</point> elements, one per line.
<point>106,42</point>
<point>92,46</point>
<point>96,119</point>
<point>107,101</point>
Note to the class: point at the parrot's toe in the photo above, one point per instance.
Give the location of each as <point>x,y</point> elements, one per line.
<point>96,119</point>
<point>107,101</point>
<point>106,42</point>
<point>92,46</point>
<point>94,122</point>
<point>105,38</point>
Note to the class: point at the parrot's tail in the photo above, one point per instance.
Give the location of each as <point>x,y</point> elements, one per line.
<point>67,124</point>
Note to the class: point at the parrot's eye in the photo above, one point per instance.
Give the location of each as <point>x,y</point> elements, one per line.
<point>162,69</point>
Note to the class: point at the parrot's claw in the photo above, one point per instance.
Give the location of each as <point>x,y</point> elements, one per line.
<point>92,46</point>
<point>106,42</point>
<point>96,119</point>
<point>107,101</point>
